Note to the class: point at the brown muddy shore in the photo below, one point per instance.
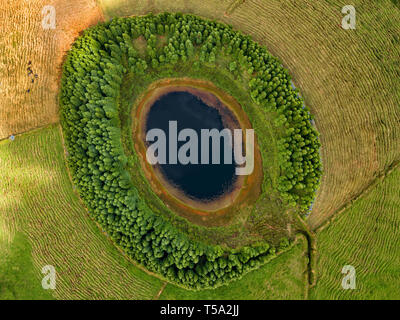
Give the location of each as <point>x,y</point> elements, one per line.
<point>246,189</point>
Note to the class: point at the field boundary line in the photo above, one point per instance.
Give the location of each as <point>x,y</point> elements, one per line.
<point>367,189</point>
<point>311,252</point>
<point>32,130</point>
<point>161,291</point>
<point>233,6</point>
<point>99,4</point>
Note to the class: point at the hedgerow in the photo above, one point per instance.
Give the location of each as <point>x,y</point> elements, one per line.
<point>92,77</point>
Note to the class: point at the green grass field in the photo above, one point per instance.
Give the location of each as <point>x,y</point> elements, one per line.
<point>37,200</point>
<point>282,278</point>
<point>365,236</point>
<point>351,82</point>
<point>18,277</point>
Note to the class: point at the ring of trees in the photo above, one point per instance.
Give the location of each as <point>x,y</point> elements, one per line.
<point>93,74</point>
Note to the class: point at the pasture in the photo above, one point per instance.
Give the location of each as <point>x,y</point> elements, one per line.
<point>365,236</point>
<point>350,80</point>
<point>31,59</point>
<point>38,200</point>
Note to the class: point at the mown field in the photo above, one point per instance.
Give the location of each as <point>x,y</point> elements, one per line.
<point>349,79</point>
<point>37,199</point>
<point>23,40</point>
<point>18,276</point>
<point>365,236</point>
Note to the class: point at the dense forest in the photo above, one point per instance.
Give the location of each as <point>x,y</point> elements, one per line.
<point>93,74</point>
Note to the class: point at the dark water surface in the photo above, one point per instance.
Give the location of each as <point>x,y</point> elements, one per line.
<point>202,182</point>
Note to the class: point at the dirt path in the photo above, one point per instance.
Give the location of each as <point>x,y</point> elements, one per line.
<point>161,291</point>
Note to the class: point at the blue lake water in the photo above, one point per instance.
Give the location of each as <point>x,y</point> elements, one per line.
<point>203,182</point>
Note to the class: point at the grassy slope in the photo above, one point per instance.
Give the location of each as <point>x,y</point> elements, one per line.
<point>365,236</point>
<point>37,198</point>
<point>18,277</point>
<point>282,278</point>
<point>338,95</point>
